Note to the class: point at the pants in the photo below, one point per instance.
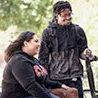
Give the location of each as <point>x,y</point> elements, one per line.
<point>75,83</point>
<point>51,96</point>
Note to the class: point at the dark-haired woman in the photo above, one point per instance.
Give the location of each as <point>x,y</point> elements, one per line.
<point>24,76</point>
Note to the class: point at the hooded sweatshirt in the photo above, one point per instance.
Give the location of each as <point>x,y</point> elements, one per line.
<point>60,50</point>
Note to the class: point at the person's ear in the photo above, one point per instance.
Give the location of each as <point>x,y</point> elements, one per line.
<point>56,16</point>
<point>25,43</point>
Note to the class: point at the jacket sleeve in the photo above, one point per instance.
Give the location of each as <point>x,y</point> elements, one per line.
<point>52,83</point>
<point>44,49</point>
<point>81,39</point>
<point>24,74</point>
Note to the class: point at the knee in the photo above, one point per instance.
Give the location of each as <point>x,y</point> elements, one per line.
<point>72,93</point>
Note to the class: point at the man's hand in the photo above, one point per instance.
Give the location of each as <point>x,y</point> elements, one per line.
<point>87,52</point>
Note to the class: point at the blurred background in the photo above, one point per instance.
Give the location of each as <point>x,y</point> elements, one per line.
<point>20,15</point>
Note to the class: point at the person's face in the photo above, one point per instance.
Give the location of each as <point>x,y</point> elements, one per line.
<point>64,18</point>
<point>32,46</point>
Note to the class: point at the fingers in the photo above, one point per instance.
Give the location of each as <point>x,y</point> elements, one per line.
<point>87,52</point>
<point>65,86</point>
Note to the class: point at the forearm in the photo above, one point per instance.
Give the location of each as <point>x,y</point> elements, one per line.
<point>55,84</point>
<point>37,90</point>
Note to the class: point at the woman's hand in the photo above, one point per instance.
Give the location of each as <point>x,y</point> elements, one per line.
<point>65,86</point>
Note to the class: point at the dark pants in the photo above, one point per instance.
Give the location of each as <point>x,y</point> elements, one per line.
<point>75,83</point>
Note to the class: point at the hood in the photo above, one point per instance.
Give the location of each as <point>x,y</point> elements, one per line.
<point>54,24</point>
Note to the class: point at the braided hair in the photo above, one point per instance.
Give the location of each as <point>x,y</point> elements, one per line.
<point>59,6</point>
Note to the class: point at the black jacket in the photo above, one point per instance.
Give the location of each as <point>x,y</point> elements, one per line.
<point>60,50</point>
<point>22,78</point>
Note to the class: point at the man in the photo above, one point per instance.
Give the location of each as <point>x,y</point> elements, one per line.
<point>63,44</point>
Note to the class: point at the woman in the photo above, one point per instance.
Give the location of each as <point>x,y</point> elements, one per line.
<point>24,76</point>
